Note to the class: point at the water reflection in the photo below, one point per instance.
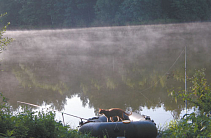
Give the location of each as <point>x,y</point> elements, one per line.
<point>125,67</point>
<point>27,79</point>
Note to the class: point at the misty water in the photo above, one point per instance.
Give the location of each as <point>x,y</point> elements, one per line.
<point>78,71</point>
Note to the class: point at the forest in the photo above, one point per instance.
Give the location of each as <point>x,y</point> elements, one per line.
<point>89,13</point>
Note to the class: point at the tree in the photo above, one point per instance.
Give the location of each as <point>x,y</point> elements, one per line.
<point>34,12</point>
<point>196,124</point>
<point>191,10</point>
<point>140,10</point>
<point>78,13</point>
<point>12,8</point>
<point>167,9</point>
<point>71,13</point>
<point>106,10</point>
<point>86,10</point>
<point>57,12</point>
<point>4,41</point>
<point>199,94</point>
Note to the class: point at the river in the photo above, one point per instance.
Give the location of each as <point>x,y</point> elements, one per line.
<point>78,71</point>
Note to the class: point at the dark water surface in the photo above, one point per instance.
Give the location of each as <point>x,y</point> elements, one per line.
<point>79,71</point>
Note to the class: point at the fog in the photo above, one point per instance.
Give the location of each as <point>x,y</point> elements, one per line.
<point>130,67</point>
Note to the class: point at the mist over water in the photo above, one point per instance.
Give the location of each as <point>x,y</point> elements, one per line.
<point>126,67</point>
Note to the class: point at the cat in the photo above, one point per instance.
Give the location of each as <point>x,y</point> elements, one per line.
<point>114,112</point>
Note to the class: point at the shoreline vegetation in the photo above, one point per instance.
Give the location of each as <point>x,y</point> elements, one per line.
<point>28,28</point>
<point>54,14</point>
<point>154,22</point>
<point>198,123</point>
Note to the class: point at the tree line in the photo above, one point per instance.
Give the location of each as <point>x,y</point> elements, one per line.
<point>85,13</point>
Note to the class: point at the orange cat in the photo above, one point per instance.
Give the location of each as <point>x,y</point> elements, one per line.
<point>113,112</point>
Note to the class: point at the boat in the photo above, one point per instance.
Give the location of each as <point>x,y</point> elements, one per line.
<point>134,126</point>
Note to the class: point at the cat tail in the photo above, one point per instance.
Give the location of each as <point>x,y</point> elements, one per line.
<point>128,114</point>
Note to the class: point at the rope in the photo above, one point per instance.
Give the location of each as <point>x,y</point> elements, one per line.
<point>52,110</point>
<point>141,92</point>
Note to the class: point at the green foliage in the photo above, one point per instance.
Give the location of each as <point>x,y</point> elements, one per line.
<point>80,13</point>
<point>12,8</point>
<point>191,10</point>
<point>199,94</point>
<point>33,124</point>
<point>34,12</point>
<point>141,10</point>
<point>106,10</point>
<point>198,123</point>
<point>4,41</point>
<point>201,91</point>
<point>2,102</point>
<point>192,126</point>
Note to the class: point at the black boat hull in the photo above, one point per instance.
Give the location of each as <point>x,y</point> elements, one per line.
<point>136,129</point>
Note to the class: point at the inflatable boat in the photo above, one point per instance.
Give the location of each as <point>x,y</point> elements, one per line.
<point>135,126</point>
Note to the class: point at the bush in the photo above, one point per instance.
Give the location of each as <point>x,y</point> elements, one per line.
<point>4,41</point>
<point>198,123</point>
<point>33,124</point>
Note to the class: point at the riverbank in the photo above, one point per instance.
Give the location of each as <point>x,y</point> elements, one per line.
<point>33,124</point>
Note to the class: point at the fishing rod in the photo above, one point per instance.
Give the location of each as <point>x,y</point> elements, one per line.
<point>186,79</point>
<point>53,110</point>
